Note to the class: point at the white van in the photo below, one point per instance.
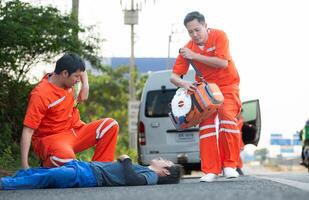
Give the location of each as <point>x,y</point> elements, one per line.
<point>157,136</point>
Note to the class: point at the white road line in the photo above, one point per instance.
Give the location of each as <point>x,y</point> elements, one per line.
<point>296,184</point>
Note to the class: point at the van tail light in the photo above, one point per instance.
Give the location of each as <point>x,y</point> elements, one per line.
<point>141,133</point>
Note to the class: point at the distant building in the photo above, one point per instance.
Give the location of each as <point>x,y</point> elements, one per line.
<point>284,146</point>
<point>143,65</point>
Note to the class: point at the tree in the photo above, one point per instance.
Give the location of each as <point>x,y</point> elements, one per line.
<point>261,154</point>
<point>34,34</point>
<point>31,34</point>
<point>109,97</point>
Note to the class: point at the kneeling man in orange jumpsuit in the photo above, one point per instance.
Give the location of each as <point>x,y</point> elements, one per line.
<point>209,51</point>
<point>52,123</point>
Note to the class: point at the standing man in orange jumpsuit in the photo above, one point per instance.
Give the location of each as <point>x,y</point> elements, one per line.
<point>209,51</point>
<point>52,123</point>
<point>240,124</point>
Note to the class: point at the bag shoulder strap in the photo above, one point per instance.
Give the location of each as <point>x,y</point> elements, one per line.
<point>199,74</point>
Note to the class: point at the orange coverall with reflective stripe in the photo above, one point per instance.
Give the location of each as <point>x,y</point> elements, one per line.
<point>58,131</point>
<point>224,151</point>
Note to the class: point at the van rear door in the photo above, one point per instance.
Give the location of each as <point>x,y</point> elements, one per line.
<point>252,122</point>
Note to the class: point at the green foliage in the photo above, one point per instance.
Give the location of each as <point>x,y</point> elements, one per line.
<point>140,85</point>
<point>123,147</point>
<point>261,154</point>
<point>31,34</point>
<point>34,34</point>
<point>6,159</point>
<point>108,96</point>
<point>86,155</point>
<point>13,102</point>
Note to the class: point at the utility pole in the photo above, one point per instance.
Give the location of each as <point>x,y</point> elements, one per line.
<point>170,39</point>
<point>131,18</point>
<point>131,10</point>
<point>169,51</point>
<point>74,14</point>
<point>75,7</point>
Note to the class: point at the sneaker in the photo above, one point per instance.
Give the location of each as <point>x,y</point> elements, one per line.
<point>230,172</point>
<point>240,172</point>
<point>210,177</point>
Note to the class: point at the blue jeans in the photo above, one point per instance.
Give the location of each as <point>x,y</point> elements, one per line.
<point>72,174</point>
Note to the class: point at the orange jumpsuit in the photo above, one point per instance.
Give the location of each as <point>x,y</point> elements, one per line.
<point>241,143</point>
<point>224,151</point>
<point>58,131</point>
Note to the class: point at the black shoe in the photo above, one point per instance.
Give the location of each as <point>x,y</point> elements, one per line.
<point>240,172</point>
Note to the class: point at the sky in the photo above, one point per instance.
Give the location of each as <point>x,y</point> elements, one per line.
<point>269,42</point>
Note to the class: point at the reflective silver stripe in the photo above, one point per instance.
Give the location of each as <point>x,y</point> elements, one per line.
<point>54,163</point>
<point>54,158</point>
<point>228,122</point>
<point>106,129</point>
<point>207,126</point>
<point>73,132</point>
<point>99,128</point>
<point>228,130</point>
<point>207,135</point>
<point>56,102</point>
<point>217,94</point>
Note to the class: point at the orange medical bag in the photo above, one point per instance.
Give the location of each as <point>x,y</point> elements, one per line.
<point>190,108</point>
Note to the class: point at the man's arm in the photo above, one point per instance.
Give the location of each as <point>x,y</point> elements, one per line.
<point>208,60</point>
<point>25,144</point>
<point>131,177</point>
<point>84,91</point>
<point>179,82</point>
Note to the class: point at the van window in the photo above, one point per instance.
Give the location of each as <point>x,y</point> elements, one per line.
<point>158,102</point>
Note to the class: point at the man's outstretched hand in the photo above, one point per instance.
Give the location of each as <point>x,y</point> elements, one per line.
<point>123,157</point>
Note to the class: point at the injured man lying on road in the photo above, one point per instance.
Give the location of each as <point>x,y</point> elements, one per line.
<point>95,174</point>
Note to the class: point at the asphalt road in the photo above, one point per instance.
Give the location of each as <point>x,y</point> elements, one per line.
<point>274,186</point>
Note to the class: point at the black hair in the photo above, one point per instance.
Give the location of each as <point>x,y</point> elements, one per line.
<point>192,16</point>
<point>70,62</point>
<point>176,172</point>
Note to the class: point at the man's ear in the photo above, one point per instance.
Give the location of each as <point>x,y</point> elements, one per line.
<point>64,74</point>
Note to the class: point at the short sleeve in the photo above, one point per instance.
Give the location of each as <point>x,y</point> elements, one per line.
<point>222,46</point>
<point>36,110</point>
<point>181,65</point>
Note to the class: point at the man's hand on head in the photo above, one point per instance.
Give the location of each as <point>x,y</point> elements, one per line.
<point>84,91</point>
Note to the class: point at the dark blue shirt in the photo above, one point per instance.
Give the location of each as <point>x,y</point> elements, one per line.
<point>112,173</point>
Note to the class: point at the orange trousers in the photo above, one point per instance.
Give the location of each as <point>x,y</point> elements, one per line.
<point>57,149</point>
<point>223,152</point>
<point>241,143</point>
